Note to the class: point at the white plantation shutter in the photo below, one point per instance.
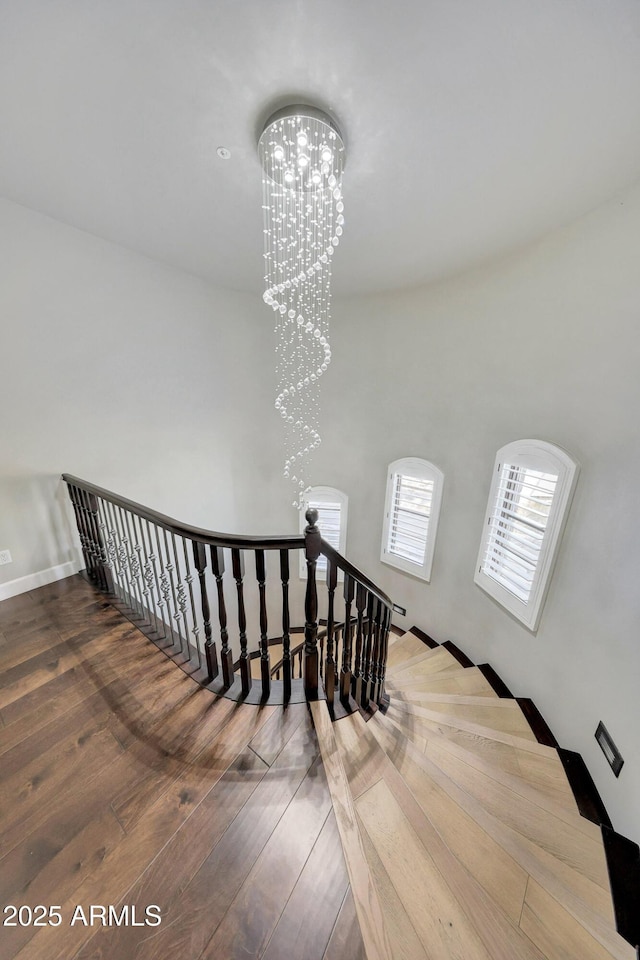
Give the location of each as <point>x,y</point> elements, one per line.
<point>329,524</point>
<point>409,520</point>
<point>518,523</point>
<point>331,505</point>
<point>412,504</point>
<point>528,502</point>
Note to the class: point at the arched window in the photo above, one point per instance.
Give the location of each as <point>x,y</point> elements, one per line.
<point>531,490</point>
<point>411,510</point>
<point>332,505</point>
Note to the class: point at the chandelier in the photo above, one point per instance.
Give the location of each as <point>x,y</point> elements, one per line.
<point>302,155</point>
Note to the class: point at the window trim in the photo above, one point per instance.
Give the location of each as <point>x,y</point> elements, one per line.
<point>419,469</point>
<point>315,497</point>
<point>548,458</point>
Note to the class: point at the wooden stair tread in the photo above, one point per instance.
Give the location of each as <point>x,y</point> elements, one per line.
<point>504,715</point>
<point>405,942</point>
<point>427,876</point>
<point>368,909</point>
<point>523,742</point>
<point>497,872</point>
<point>511,775</point>
<point>454,680</point>
<point>519,810</point>
<point>404,648</point>
<point>424,664</point>
<point>557,933</point>
<point>545,771</point>
<point>584,898</point>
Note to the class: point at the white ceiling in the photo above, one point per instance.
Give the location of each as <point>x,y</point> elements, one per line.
<point>472,126</point>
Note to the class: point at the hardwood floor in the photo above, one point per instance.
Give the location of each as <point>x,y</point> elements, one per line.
<point>123,783</point>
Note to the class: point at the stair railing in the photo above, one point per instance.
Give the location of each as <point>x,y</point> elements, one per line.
<point>176,583</point>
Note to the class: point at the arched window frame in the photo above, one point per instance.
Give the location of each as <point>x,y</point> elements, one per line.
<point>516,469</point>
<point>327,497</point>
<point>411,468</point>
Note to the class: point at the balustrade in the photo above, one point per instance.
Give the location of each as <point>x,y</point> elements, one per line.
<point>172,580</point>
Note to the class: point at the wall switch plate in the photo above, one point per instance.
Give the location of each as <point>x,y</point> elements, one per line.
<point>5,556</point>
<point>608,747</point>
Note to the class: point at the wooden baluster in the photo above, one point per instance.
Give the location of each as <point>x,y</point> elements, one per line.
<point>375,655</point>
<point>383,697</point>
<point>226,657</point>
<point>286,639</point>
<point>170,567</point>
<point>75,501</point>
<point>195,629</point>
<point>265,666</point>
<point>237,563</point>
<point>345,674</point>
<point>91,543</point>
<point>312,538</point>
<point>330,665</point>
<point>100,528</point>
<point>367,657</point>
<point>210,651</point>
<point>356,683</point>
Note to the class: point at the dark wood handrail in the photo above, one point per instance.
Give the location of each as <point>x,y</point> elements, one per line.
<point>239,541</point>
<point>347,567</point>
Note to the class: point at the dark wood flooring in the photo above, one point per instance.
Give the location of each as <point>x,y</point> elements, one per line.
<point>123,783</point>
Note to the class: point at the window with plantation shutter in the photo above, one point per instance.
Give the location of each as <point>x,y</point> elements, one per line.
<point>331,505</point>
<point>530,493</point>
<point>412,506</point>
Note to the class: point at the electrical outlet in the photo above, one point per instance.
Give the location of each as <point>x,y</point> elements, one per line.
<point>5,556</point>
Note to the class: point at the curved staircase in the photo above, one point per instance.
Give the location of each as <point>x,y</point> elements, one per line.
<point>461,832</point>
<point>467,833</point>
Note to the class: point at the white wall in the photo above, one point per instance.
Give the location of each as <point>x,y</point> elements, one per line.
<point>544,345</point>
<point>126,373</point>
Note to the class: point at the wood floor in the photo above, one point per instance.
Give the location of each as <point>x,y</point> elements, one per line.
<point>442,830</point>
<point>123,783</point>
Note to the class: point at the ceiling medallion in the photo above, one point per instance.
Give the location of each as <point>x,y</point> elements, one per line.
<point>302,155</point>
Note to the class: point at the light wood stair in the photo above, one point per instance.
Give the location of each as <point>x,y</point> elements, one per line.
<point>461,832</point>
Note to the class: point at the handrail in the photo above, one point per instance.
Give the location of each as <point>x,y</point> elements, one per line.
<point>154,566</point>
<point>209,537</point>
<point>347,567</point>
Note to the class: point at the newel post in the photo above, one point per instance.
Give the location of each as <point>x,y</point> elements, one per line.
<point>312,538</point>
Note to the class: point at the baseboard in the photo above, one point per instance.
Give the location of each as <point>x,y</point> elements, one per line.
<point>39,579</point>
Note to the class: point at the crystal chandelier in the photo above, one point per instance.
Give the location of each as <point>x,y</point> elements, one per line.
<point>302,155</point>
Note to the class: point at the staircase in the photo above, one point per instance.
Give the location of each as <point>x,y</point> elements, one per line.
<point>462,834</point>
<point>468,833</point>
